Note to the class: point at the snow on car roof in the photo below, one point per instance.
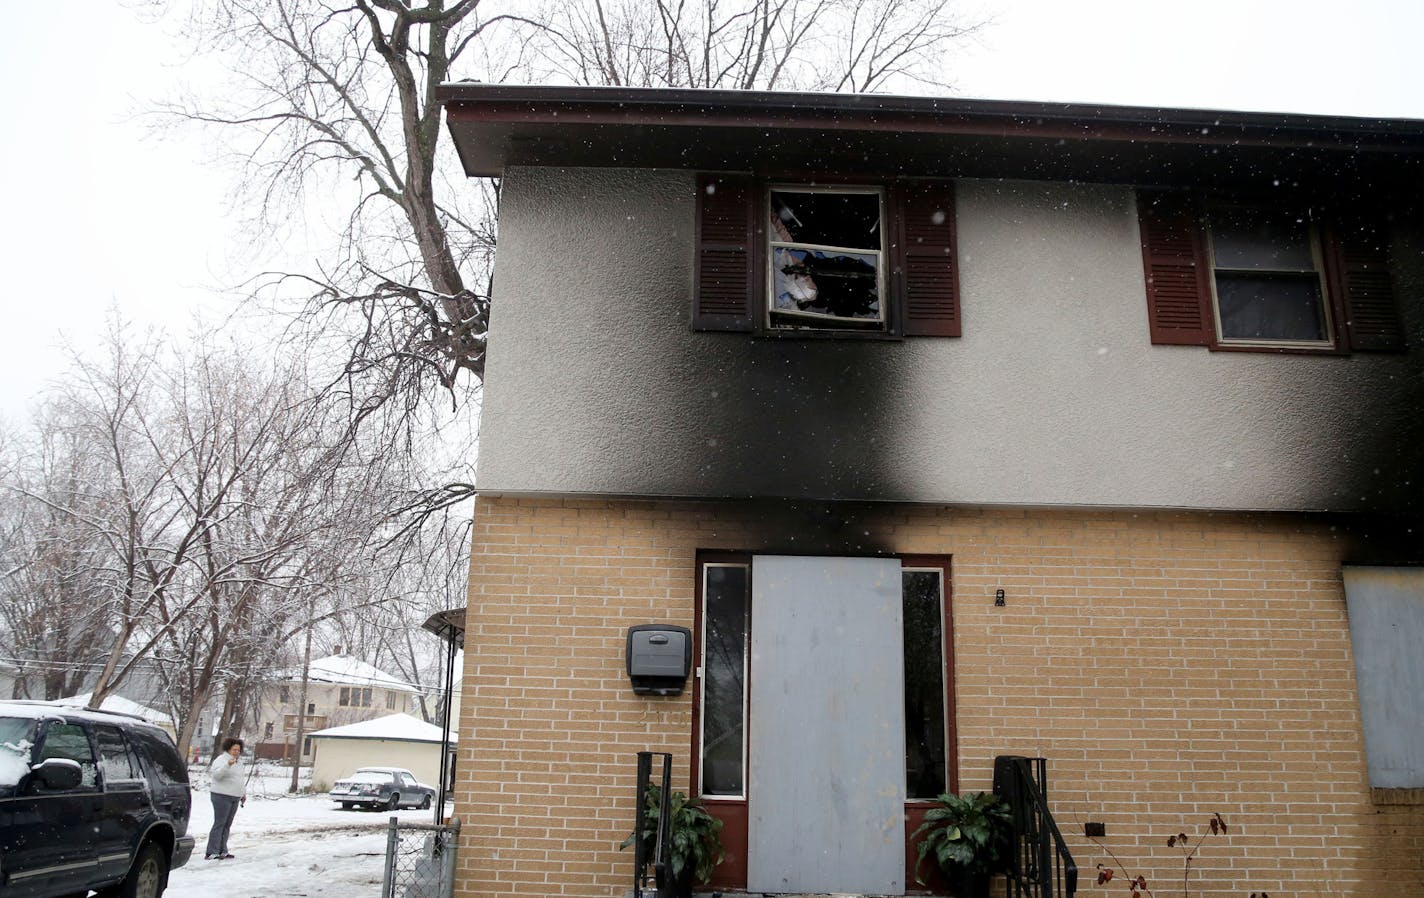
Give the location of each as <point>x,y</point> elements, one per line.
<point>368,775</point>
<point>120,705</point>
<point>397,727</point>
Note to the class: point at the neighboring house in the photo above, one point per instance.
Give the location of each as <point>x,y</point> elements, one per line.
<point>396,740</point>
<point>121,705</point>
<point>341,689</point>
<point>951,429</point>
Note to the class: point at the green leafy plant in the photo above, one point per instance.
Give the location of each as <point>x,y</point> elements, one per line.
<point>694,836</point>
<point>966,834</point>
<point>1138,886</point>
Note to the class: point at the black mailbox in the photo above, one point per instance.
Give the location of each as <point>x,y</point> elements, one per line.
<point>659,658</point>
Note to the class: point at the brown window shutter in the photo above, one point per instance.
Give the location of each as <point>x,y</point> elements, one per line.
<point>1358,254</point>
<point>929,269</point>
<point>1174,262</point>
<point>726,250</point>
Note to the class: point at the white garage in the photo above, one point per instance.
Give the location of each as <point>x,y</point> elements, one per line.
<point>397,740</point>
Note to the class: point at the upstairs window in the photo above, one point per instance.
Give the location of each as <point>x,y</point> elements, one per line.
<point>1267,283</point>
<point>806,259</point>
<point>825,256</point>
<point>354,697</point>
<point>1265,278</point>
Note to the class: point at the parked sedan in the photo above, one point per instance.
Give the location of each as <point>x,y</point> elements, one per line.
<point>382,787</point>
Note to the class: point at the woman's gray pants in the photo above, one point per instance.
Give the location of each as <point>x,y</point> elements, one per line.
<point>224,809</point>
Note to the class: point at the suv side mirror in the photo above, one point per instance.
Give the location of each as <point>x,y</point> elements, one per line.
<point>58,774</point>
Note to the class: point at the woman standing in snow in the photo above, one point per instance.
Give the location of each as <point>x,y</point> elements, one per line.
<point>229,782</point>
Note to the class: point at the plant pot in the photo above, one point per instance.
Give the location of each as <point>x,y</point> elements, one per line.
<point>681,887</point>
<point>968,883</point>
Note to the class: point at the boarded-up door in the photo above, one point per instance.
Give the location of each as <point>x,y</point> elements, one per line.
<point>826,743</point>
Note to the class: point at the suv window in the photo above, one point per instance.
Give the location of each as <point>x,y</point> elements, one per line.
<point>163,760</point>
<point>115,760</point>
<point>68,740</point>
<point>17,737</point>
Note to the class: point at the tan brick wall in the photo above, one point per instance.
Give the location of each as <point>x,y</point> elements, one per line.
<point>1168,665</point>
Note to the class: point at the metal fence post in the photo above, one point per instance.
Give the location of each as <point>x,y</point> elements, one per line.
<point>452,843</point>
<point>388,881</point>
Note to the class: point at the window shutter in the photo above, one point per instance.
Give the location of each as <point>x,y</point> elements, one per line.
<point>1175,265</point>
<point>1359,254</point>
<point>926,259</point>
<point>726,251</point>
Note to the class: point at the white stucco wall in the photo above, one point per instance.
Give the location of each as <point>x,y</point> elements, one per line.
<point>1054,395</point>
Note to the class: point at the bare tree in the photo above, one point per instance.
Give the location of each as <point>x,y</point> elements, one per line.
<point>326,94</point>
<point>53,630</point>
<point>426,572</point>
<point>835,45</point>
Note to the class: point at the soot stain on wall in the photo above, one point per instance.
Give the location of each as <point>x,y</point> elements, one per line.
<point>812,419</point>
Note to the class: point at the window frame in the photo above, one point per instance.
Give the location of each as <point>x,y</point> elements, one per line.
<point>354,697</point>
<point>699,740</point>
<point>857,326</point>
<point>734,811</point>
<point>908,563</point>
<point>1351,250</point>
<point>918,271</point>
<point>921,564</point>
<point>1331,341</point>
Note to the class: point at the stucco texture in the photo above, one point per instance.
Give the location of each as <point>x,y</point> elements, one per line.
<point>597,385</point>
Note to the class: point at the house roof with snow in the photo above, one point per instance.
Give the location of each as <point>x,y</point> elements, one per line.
<point>345,670</point>
<point>396,727</point>
<point>120,705</point>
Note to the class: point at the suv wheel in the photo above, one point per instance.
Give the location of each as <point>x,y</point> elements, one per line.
<point>393,802</point>
<point>425,803</point>
<point>146,876</point>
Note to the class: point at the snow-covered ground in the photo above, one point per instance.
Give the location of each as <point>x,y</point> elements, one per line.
<point>287,846</point>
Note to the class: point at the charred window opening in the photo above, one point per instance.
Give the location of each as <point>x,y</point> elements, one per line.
<point>872,261</point>
<point>825,252</point>
<point>1267,279</point>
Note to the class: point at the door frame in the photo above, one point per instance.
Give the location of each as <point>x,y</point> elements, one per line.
<point>733,812</point>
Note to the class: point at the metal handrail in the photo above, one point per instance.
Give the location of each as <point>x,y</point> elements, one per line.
<point>1040,864</point>
<point>661,859</point>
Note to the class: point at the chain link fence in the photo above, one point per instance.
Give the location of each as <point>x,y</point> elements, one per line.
<point>420,860</point>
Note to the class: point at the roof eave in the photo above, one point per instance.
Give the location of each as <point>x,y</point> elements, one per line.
<point>495,126</point>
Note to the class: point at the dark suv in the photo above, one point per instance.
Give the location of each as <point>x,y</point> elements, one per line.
<point>88,800</point>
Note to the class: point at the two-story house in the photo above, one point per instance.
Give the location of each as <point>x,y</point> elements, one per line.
<point>340,689</point>
<point>951,429</point>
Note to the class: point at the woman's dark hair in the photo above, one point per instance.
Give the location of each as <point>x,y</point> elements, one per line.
<point>229,742</point>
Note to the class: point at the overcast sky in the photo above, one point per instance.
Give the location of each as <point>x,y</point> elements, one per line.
<point>98,212</point>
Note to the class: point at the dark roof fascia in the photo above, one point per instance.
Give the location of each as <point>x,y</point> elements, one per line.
<point>508,113</point>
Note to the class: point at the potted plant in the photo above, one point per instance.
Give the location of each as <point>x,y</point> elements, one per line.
<point>694,838</point>
<point>968,837</point>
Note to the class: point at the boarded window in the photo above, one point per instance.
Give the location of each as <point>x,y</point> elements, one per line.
<point>1386,609</point>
